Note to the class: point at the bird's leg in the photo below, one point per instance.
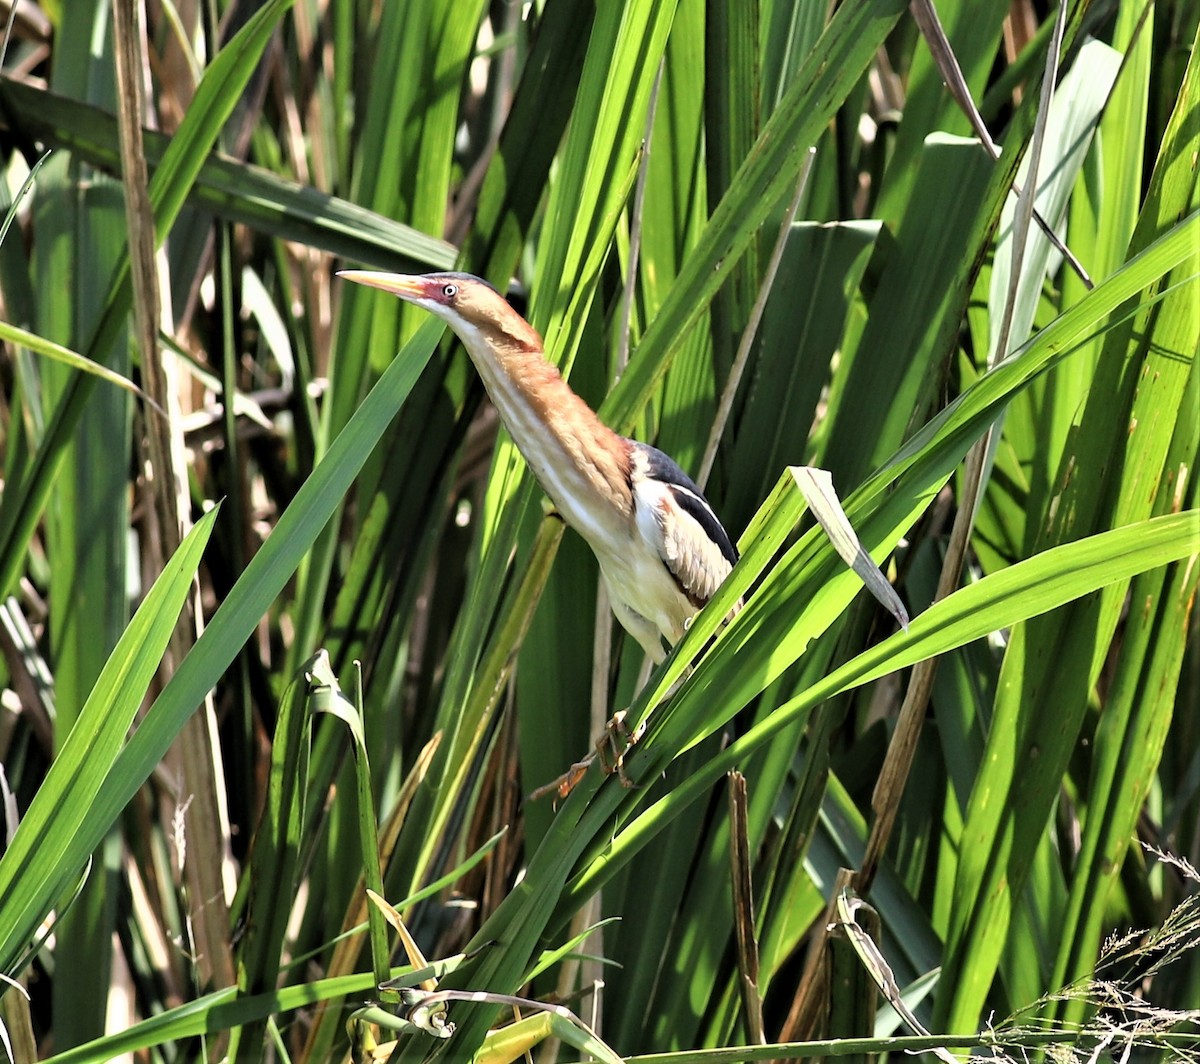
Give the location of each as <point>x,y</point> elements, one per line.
<point>617,739</point>
<point>610,750</point>
<point>564,784</point>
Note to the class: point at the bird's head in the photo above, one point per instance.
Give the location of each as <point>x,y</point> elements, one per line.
<point>467,303</point>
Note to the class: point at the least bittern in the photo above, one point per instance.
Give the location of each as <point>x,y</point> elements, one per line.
<point>662,551</point>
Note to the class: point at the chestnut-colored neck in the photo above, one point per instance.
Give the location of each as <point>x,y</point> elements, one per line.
<point>580,462</point>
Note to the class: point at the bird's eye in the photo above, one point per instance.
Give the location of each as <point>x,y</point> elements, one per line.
<point>450,290</point>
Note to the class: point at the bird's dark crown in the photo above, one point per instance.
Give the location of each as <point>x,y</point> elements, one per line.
<point>457,275</point>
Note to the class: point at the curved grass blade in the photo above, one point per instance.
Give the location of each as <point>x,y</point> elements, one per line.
<point>39,345</point>
<point>1024,590</point>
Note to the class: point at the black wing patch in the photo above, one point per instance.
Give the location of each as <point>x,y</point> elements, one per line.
<point>691,499</point>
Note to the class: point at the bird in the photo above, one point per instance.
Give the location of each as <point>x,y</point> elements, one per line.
<point>662,550</point>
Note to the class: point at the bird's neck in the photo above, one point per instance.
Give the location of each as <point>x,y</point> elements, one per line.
<point>579,461</point>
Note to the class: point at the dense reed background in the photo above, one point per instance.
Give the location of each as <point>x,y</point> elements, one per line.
<point>181,182</point>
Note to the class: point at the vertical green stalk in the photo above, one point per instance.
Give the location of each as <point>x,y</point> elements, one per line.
<point>81,237</point>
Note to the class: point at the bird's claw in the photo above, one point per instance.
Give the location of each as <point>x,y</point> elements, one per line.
<point>614,744</point>
<point>610,751</point>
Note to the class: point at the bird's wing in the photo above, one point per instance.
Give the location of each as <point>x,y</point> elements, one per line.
<point>674,514</point>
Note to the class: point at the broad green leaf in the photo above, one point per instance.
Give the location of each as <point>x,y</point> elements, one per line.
<point>61,826</point>
<point>234,190</point>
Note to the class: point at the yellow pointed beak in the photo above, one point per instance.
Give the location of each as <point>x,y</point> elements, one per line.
<point>398,284</point>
